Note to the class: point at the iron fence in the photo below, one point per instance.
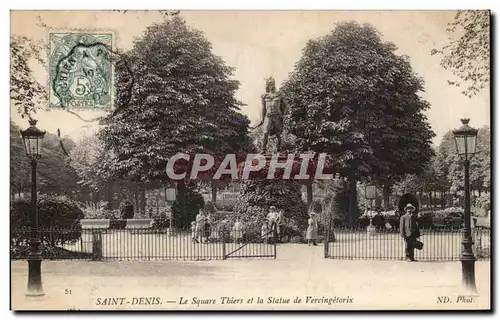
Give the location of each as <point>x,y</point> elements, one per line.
<point>145,244</point>
<point>439,244</point>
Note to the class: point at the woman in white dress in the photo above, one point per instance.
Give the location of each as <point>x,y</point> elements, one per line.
<point>312,229</point>
<point>237,231</point>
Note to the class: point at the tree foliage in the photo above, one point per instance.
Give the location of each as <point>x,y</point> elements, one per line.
<point>54,171</point>
<point>86,158</point>
<point>351,96</point>
<point>446,172</point>
<point>467,54</point>
<point>480,164</point>
<point>25,91</point>
<point>183,98</point>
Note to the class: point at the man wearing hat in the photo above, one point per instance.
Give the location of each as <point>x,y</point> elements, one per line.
<point>409,230</point>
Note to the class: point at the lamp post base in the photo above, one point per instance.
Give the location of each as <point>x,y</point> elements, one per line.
<point>35,288</point>
<point>468,275</point>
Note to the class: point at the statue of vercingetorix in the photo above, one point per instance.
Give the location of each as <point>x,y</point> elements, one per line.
<point>273,113</point>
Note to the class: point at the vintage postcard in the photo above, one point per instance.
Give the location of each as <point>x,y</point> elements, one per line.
<point>250,160</point>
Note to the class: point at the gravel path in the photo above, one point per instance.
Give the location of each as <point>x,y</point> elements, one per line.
<point>299,272</point>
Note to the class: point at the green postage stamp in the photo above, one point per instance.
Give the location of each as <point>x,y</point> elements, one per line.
<point>80,71</point>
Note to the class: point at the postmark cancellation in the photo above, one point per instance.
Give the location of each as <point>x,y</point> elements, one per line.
<point>81,70</point>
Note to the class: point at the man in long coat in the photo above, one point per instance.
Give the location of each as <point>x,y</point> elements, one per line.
<point>409,230</point>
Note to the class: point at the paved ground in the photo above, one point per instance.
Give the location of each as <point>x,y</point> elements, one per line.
<point>299,272</point>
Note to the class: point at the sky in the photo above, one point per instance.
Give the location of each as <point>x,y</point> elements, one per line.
<point>259,44</point>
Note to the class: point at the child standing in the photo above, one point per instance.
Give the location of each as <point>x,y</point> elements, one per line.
<point>193,232</point>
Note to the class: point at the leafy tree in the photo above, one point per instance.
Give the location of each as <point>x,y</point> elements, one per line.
<point>480,166</point>
<point>335,206</point>
<point>25,91</point>
<point>54,172</point>
<point>467,54</point>
<point>85,158</point>
<point>352,97</point>
<point>182,99</point>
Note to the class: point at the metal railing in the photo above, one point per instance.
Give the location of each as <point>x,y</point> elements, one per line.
<point>145,244</point>
<point>439,244</point>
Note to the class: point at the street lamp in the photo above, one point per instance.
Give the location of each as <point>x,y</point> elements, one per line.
<point>371,194</point>
<point>465,139</point>
<point>32,138</point>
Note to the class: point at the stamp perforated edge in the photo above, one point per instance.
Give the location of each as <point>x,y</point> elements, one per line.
<point>113,34</point>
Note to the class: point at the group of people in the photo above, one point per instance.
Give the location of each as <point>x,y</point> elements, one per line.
<point>272,228</point>
<point>201,228</point>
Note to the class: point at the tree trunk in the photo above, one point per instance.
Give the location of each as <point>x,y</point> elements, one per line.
<point>181,201</point>
<point>157,203</point>
<point>309,188</point>
<point>431,203</point>
<point>353,203</point>
<point>386,194</point>
<point>142,207</point>
<point>136,199</point>
<point>213,186</point>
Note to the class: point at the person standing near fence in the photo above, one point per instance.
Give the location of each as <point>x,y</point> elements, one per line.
<point>410,231</point>
<point>272,218</point>
<point>238,231</point>
<point>207,227</point>
<point>193,232</point>
<point>200,223</point>
<point>312,229</point>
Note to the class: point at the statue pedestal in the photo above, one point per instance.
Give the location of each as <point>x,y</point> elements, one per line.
<point>371,229</point>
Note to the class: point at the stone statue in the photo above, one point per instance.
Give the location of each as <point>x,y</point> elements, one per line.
<point>273,113</point>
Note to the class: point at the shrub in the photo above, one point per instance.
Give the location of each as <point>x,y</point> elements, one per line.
<point>101,210</point>
<point>126,210</point>
<point>255,199</point>
<point>482,205</point>
<point>227,204</point>
<point>187,205</point>
<point>58,215</point>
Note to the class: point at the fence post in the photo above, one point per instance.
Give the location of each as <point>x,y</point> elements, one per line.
<point>223,244</point>
<point>326,243</point>
<point>274,246</point>
<point>97,245</point>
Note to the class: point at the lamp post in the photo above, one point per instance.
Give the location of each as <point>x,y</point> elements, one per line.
<point>371,194</point>
<point>171,196</point>
<point>465,139</point>
<point>32,138</point>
